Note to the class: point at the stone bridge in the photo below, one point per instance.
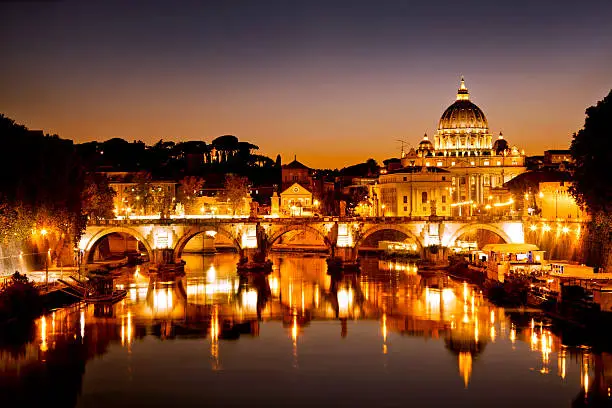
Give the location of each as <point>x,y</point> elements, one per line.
<point>165,239</point>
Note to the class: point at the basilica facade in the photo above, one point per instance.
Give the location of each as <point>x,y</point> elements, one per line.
<point>463,145</point>
<point>474,162</point>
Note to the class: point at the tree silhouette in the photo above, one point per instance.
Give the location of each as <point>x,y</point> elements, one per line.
<point>592,151</point>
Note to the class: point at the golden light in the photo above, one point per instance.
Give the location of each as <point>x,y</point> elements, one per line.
<point>546,227</point>
<point>565,230</point>
<point>541,195</point>
<point>43,232</point>
<point>43,334</point>
<point>533,227</point>
<point>82,324</point>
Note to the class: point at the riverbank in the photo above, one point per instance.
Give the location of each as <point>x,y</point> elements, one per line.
<point>573,312</point>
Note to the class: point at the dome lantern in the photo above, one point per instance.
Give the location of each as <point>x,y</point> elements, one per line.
<point>462,92</point>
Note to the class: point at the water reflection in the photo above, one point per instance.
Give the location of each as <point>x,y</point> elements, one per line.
<point>489,348</point>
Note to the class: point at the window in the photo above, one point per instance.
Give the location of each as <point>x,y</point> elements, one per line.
<point>405,208</point>
<point>426,164</point>
<point>452,163</point>
<point>405,199</point>
<point>499,163</point>
<point>443,178</point>
<point>444,199</point>
<point>439,164</point>
<point>405,178</point>
<point>443,208</point>
<point>424,197</point>
<point>295,178</point>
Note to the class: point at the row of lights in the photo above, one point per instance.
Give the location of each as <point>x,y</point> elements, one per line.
<point>560,228</point>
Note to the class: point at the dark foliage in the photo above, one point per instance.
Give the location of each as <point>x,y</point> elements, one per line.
<point>592,151</point>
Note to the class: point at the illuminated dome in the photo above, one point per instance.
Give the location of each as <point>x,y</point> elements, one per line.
<point>463,125</point>
<point>425,146</point>
<point>500,145</point>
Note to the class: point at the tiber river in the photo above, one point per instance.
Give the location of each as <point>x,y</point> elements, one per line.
<point>390,337</point>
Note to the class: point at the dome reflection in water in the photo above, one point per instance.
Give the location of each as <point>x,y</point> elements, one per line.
<point>389,336</point>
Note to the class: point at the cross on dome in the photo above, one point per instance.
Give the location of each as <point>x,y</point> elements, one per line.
<point>462,93</point>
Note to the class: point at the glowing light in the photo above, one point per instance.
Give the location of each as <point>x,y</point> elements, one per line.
<point>249,301</point>
<point>43,334</point>
<point>504,204</point>
<point>493,334</point>
<point>82,324</point>
<point>211,274</point>
<point>565,230</point>
<point>533,227</point>
<point>465,366</point>
<point>546,227</point>
<point>345,301</point>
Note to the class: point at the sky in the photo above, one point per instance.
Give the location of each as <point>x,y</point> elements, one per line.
<point>332,82</point>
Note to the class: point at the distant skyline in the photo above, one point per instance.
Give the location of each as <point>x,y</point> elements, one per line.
<point>333,82</point>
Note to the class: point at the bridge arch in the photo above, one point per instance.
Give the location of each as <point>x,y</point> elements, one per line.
<point>275,236</point>
<point>475,227</point>
<point>201,229</point>
<point>389,227</point>
<point>89,246</point>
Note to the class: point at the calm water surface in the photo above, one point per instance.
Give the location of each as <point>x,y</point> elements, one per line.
<point>390,337</point>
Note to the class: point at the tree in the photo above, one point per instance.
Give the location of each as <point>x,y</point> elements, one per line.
<point>235,192</point>
<point>189,190</point>
<point>592,152</point>
<point>97,197</point>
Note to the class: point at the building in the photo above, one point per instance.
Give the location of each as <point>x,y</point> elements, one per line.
<point>556,203</point>
<point>415,191</point>
<point>557,156</point>
<point>137,195</point>
<point>294,201</point>
<point>296,172</point>
<point>464,146</point>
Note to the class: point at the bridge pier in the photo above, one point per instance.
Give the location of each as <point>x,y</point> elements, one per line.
<point>163,256</point>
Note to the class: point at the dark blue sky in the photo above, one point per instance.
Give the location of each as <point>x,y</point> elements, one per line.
<point>334,82</point>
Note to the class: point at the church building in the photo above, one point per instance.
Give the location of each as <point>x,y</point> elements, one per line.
<point>464,146</point>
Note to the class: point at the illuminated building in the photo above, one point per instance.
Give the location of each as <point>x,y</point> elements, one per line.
<point>463,145</point>
<point>294,201</point>
<point>555,202</point>
<point>413,191</point>
<point>296,172</point>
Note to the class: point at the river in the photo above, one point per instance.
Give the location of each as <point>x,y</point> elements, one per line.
<point>389,337</point>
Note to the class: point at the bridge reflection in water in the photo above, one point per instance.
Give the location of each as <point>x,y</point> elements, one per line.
<point>212,302</point>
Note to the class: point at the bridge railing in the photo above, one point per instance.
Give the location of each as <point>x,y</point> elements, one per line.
<point>305,220</point>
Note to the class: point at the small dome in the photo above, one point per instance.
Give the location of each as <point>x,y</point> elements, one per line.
<point>425,146</point>
<point>462,114</point>
<point>501,144</point>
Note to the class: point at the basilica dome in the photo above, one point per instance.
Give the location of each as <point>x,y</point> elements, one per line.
<point>463,115</point>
